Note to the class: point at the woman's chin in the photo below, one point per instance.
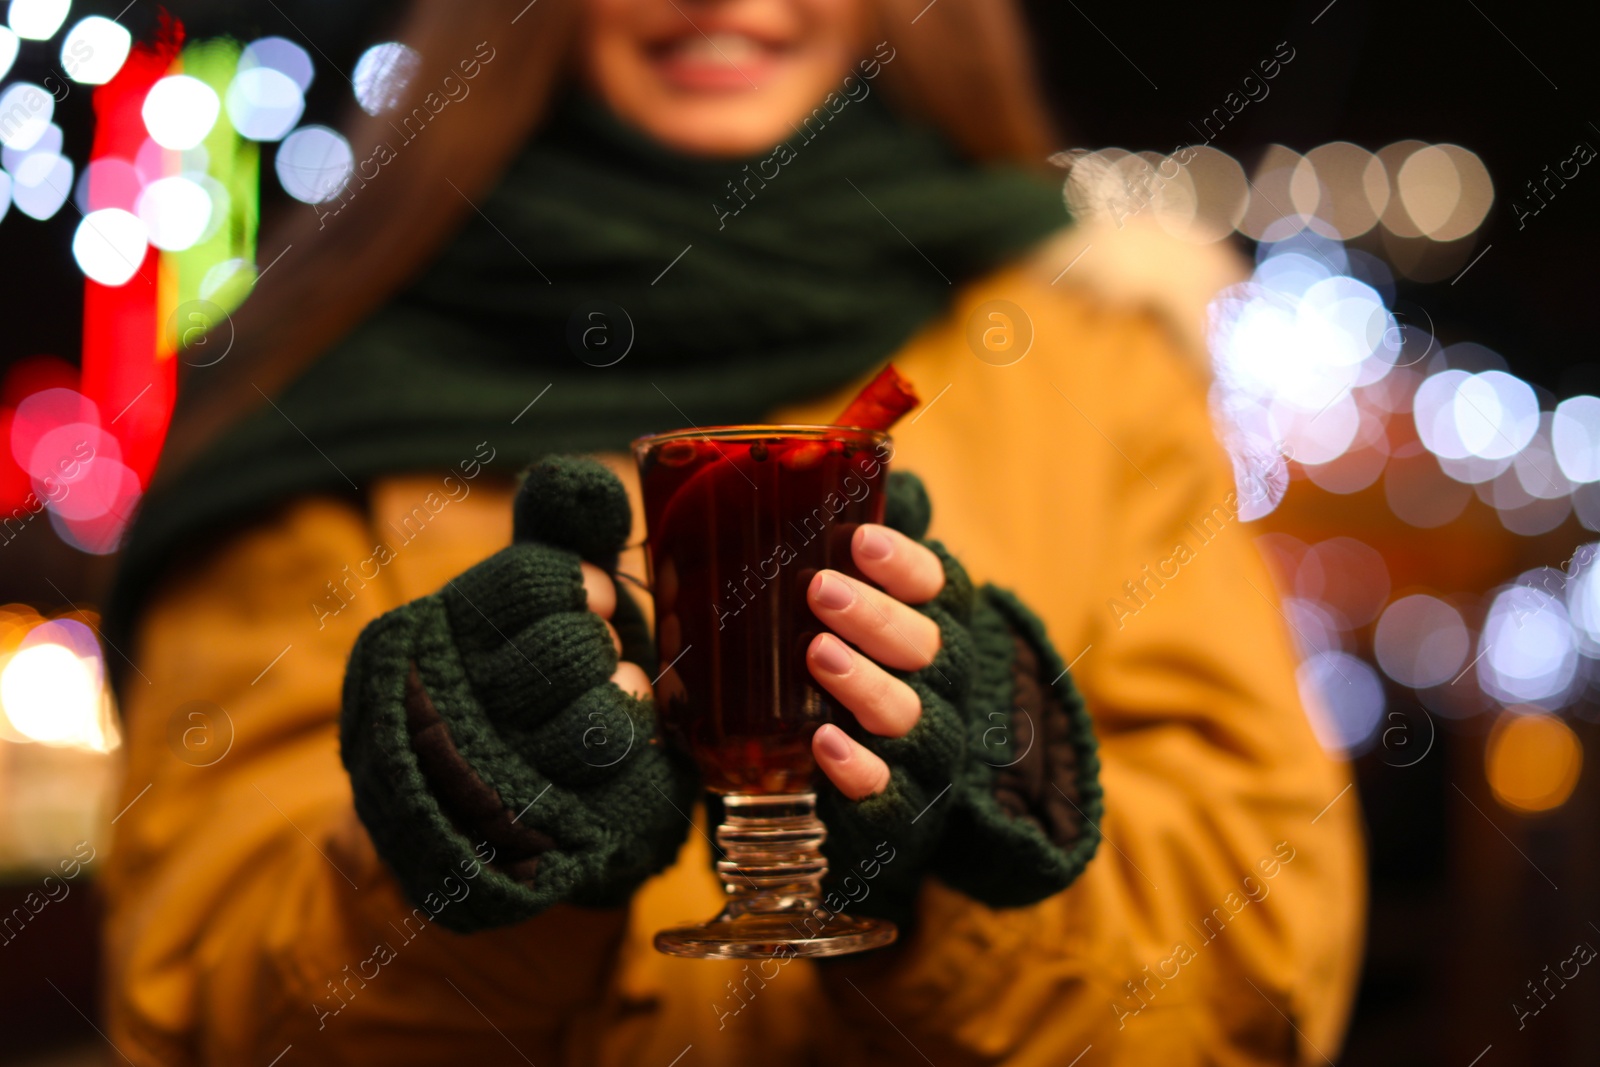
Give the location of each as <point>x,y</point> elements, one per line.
<point>721,124</point>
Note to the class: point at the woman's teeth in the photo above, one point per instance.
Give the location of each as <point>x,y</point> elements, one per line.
<point>719,49</point>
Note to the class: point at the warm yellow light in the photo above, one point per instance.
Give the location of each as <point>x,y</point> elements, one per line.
<point>1533,760</point>
<point>51,695</point>
<point>1353,187</point>
<point>1475,198</point>
<point>1393,213</point>
<point>1283,195</point>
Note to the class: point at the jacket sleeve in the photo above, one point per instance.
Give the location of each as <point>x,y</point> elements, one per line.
<point>1220,921</point>
<point>248,911</point>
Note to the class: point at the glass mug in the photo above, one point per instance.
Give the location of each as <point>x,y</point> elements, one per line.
<point>739,520</point>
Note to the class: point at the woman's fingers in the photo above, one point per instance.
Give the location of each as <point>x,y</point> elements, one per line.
<point>881,703</point>
<point>856,772</point>
<point>631,679</point>
<point>875,622</point>
<point>601,593</point>
<point>904,569</point>
<point>600,590</point>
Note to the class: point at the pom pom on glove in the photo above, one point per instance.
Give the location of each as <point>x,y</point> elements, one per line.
<point>484,739</point>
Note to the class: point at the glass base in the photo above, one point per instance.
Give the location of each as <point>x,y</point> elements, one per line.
<point>773,877</point>
<point>777,936</point>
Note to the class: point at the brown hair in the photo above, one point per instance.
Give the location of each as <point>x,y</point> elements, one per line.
<point>961,64</point>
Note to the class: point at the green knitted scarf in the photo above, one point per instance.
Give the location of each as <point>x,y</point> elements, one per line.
<point>609,288</point>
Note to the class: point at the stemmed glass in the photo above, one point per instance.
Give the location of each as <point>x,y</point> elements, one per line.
<point>740,518</point>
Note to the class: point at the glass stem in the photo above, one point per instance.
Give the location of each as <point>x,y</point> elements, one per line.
<point>772,848</point>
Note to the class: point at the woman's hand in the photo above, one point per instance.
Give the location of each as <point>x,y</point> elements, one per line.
<point>601,593</point>
<point>886,632</point>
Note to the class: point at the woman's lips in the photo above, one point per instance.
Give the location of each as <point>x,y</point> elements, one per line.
<point>717,62</point>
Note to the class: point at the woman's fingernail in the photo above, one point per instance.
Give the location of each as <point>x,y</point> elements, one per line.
<point>874,544</point>
<point>833,743</point>
<point>832,656</point>
<point>833,593</point>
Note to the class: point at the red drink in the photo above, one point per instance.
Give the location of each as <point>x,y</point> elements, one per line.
<point>740,520</point>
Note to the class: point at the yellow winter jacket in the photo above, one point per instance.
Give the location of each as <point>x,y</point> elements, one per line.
<point>1221,921</point>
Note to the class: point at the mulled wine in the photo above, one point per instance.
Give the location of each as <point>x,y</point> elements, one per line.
<point>740,520</point>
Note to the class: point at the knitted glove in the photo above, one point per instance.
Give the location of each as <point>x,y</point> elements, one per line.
<point>996,789</point>
<point>486,745</point>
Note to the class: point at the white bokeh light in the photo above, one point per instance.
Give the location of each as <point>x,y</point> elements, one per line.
<point>37,20</point>
<point>282,55</point>
<point>42,184</point>
<point>314,163</point>
<point>1583,598</point>
<point>263,104</point>
<point>1496,414</point>
<point>1536,468</point>
<point>1291,348</point>
<point>25,113</point>
<point>175,211</point>
<point>8,50</point>
<point>180,111</point>
<point>382,74</point>
<point>1433,409</point>
<point>1344,700</point>
<point>94,50</point>
<point>1421,641</point>
<point>1575,436</point>
<point>52,689</point>
<point>1528,651</point>
<point>109,245</point>
<point>1315,629</point>
<point>49,143</point>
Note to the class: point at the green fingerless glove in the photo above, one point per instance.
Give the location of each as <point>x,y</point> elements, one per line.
<point>996,789</point>
<point>485,743</point>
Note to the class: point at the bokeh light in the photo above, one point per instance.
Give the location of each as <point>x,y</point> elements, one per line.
<point>9,46</point>
<point>175,211</point>
<point>1421,641</point>
<point>94,50</point>
<point>1283,196</point>
<point>382,74</point>
<point>41,184</point>
<point>179,111</point>
<point>37,20</point>
<point>1395,217</point>
<point>1533,760</point>
<point>1528,652</point>
<point>44,411</point>
<point>109,245</point>
<point>314,163</point>
<point>263,104</point>
<point>1582,588</point>
<point>1212,195</point>
<point>1445,190</point>
<point>1575,437</point>
<point>52,687</point>
<point>1354,189</point>
<point>108,182</point>
<point>282,55</point>
<point>1344,701</point>
<point>28,110</point>
<point>48,142</point>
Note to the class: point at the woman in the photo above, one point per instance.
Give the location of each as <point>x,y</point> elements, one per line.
<point>345,548</point>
